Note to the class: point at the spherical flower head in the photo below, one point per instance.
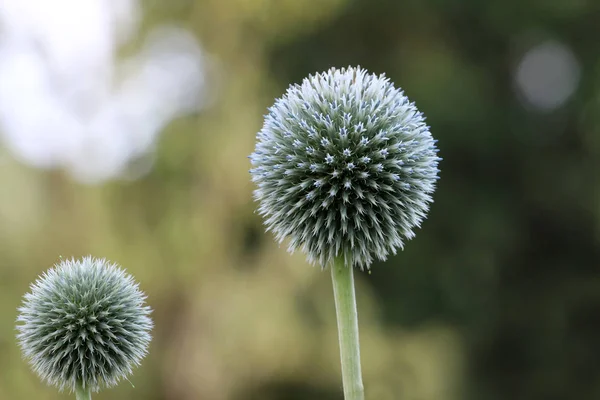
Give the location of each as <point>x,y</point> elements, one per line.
<point>84,323</point>
<point>345,167</point>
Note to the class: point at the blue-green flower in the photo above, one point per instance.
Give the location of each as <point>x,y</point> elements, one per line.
<point>84,323</point>
<point>345,166</point>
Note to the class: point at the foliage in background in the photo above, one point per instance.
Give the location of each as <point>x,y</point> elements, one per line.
<point>498,297</point>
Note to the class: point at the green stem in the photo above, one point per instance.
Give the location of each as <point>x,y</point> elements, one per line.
<point>347,320</point>
<point>82,394</point>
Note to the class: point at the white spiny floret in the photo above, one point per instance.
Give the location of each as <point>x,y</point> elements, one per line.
<point>84,322</point>
<point>344,166</point>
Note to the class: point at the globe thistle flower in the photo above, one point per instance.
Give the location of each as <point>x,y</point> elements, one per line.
<point>84,325</point>
<point>345,167</point>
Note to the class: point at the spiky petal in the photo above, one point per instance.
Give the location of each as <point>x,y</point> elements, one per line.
<point>344,166</point>
<point>84,322</point>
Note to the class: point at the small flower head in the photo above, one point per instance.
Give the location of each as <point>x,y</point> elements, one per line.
<point>344,166</point>
<point>84,323</point>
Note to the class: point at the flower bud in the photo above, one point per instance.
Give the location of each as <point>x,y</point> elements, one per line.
<point>84,323</point>
<point>345,167</point>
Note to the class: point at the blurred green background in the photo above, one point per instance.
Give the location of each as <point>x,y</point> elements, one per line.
<point>497,297</point>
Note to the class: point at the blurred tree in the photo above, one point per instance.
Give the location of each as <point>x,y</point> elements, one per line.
<point>498,297</point>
